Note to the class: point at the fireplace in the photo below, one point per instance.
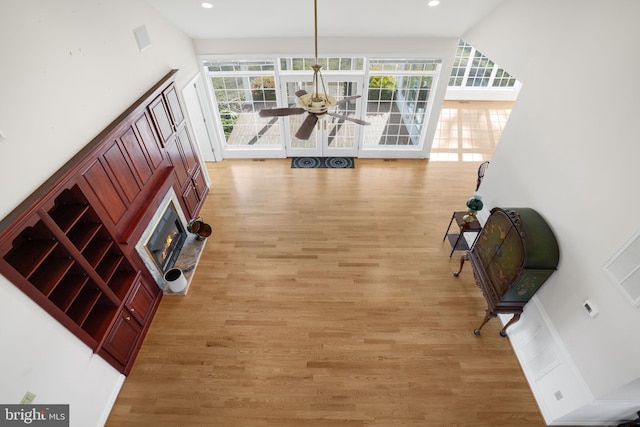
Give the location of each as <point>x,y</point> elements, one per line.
<point>166,239</point>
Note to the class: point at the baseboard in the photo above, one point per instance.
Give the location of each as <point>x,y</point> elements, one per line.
<point>112,400</point>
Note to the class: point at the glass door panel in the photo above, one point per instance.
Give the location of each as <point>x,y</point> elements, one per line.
<point>333,136</point>
<point>397,113</point>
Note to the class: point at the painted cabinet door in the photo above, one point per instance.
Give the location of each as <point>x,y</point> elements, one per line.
<point>506,265</point>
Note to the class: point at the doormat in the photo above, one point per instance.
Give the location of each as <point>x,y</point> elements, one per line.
<point>322,162</point>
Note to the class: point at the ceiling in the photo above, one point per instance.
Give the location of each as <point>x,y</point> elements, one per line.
<point>336,18</point>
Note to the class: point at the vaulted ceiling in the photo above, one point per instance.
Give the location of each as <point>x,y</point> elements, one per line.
<point>336,18</point>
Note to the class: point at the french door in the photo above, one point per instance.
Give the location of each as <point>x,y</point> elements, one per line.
<point>333,137</point>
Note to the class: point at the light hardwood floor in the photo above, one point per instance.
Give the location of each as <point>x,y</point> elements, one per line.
<point>325,297</point>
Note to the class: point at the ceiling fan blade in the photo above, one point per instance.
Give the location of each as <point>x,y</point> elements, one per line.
<point>347,99</point>
<point>277,112</point>
<point>351,119</point>
<point>307,127</point>
<point>301,92</point>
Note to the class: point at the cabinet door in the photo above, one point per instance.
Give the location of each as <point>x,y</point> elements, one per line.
<point>174,105</point>
<point>104,189</point>
<point>191,200</point>
<point>175,158</point>
<point>188,153</point>
<point>149,140</point>
<point>135,149</point>
<point>123,337</point>
<point>115,159</point>
<point>491,237</point>
<point>194,193</point>
<point>507,263</point>
<point>161,118</point>
<point>140,301</point>
<point>199,183</point>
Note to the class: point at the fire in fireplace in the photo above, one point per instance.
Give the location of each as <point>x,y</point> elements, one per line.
<point>166,240</point>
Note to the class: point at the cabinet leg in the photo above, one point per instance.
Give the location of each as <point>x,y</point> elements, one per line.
<point>514,319</point>
<point>487,317</point>
<point>462,259</point>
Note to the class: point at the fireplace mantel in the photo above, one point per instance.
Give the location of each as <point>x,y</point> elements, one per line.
<point>71,245</point>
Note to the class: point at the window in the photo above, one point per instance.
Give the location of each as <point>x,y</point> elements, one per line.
<point>472,69</point>
<point>241,90</point>
<point>398,99</point>
<point>328,64</point>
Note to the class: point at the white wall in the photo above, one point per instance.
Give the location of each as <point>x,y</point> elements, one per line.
<point>570,150</point>
<point>69,68</point>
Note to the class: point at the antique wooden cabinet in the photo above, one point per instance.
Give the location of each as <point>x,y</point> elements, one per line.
<point>514,255</point>
<point>70,245</point>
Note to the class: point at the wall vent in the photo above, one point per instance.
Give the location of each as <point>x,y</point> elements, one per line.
<point>624,270</point>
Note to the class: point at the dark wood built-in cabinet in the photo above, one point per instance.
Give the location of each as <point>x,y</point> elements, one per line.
<point>513,256</point>
<point>71,245</point>
<point>170,121</point>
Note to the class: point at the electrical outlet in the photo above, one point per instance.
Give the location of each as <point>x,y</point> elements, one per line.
<point>28,398</point>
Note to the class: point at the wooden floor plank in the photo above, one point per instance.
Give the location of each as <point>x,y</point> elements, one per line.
<point>325,297</point>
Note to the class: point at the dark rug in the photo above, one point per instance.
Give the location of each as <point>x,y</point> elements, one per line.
<point>322,162</point>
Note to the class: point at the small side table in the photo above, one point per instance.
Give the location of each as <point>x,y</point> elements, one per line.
<point>458,243</point>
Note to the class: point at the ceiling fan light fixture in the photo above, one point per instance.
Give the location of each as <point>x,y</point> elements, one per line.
<point>315,104</point>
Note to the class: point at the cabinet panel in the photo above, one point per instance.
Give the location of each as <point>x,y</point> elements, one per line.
<point>148,138</point>
<point>171,95</point>
<point>190,199</point>
<point>507,262</point>
<point>116,161</point>
<point>491,237</point>
<point>140,302</point>
<point>136,151</point>
<point>161,118</point>
<point>200,183</point>
<point>175,157</point>
<point>188,154</point>
<point>194,193</point>
<point>122,338</point>
<point>100,182</point>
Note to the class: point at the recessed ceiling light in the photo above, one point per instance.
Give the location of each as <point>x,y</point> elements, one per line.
<point>206,5</point>
<point>433,3</point>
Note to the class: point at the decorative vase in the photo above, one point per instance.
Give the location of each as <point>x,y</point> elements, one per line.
<point>175,280</point>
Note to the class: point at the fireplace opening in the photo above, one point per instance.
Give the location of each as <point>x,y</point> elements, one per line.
<point>166,239</point>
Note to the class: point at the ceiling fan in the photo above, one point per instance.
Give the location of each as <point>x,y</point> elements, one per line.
<point>316,104</point>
